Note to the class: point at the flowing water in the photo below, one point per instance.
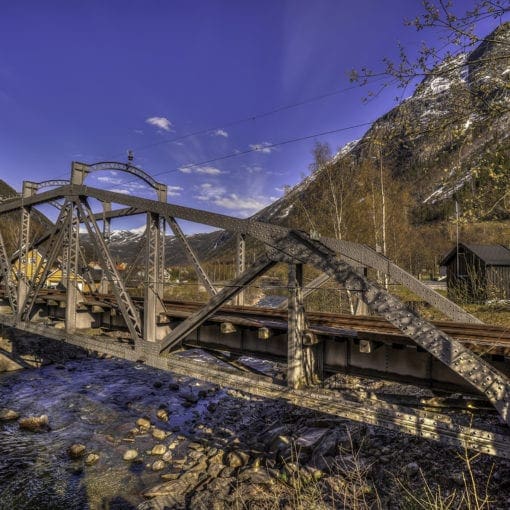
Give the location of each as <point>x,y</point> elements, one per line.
<point>94,402</point>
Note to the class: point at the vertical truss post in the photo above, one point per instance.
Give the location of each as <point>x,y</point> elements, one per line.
<point>107,222</point>
<point>240,263</point>
<point>78,173</point>
<point>154,270</point>
<point>361,308</point>
<point>296,327</point>
<point>152,297</point>
<point>24,241</point>
<point>72,253</point>
<point>5,268</point>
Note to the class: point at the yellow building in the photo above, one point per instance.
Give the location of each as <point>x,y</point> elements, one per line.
<point>55,277</point>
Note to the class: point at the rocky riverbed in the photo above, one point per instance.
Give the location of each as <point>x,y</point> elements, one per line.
<point>103,433</point>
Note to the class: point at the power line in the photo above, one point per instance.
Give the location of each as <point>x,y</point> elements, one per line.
<point>265,147</point>
<point>246,119</point>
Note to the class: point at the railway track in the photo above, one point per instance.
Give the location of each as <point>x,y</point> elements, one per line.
<point>480,337</point>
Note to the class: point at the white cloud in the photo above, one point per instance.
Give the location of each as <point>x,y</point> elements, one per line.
<point>220,132</point>
<point>206,170</point>
<point>109,180</point>
<point>174,191</point>
<point>264,147</point>
<point>160,122</point>
<point>218,195</point>
<point>253,169</point>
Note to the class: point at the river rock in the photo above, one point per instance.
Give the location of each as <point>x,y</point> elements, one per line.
<point>143,423</point>
<point>158,465</point>
<point>236,459</point>
<point>200,466</point>
<point>162,414</point>
<point>35,423</point>
<point>77,450</point>
<point>130,455</point>
<point>167,456</point>
<point>217,458</point>
<point>159,434</point>
<point>8,415</point>
<point>158,449</point>
<point>411,469</point>
<point>186,483</point>
<point>173,386</point>
<point>310,437</point>
<point>91,458</point>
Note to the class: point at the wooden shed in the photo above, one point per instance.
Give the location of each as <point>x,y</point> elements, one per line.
<point>478,272</point>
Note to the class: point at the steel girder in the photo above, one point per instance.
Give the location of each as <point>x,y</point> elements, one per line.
<point>155,256</point>
<point>127,308</point>
<point>71,268</point>
<point>177,335</point>
<point>480,374</point>
<point>240,263</point>
<point>191,256</point>
<point>295,246</point>
<point>6,271</point>
<point>44,267</point>
<point>265,232</point>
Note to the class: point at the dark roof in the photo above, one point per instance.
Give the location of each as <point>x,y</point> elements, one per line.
<point>491,254</point>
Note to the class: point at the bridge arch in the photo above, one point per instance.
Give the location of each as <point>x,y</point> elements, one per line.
<point>81,170</point>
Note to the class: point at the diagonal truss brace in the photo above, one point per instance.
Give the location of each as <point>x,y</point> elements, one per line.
<point>5,268</point>
<point>186,327</point>
<point>127,308</point>
<point>480,374</point>
<point>191,256</point>
<point>44,267</point>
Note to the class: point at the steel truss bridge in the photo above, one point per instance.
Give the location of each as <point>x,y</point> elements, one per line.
<point>461,355</point>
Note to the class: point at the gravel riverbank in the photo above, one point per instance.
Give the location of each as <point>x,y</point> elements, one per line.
<point>119,435</point>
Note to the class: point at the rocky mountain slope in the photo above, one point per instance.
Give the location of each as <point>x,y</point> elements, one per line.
<point>439,141</point>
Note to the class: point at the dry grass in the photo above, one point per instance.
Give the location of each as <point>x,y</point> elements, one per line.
<point>350,486</point>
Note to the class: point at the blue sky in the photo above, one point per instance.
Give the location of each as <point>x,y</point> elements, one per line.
<point>89,80</point>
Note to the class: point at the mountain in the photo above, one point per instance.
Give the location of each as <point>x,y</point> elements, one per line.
<point>447,143</point>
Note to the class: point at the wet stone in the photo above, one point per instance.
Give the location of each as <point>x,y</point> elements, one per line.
<point>167,456</point>
<point>8,415</point>
<point>77,450</point>
<point>162,414</point>
<point>143,423</point>
<point>158,449</point>
<point>35,423</point>
<point>91,459</point>
<point>236,459</point>
<point>130,455</point>
<point>158,465</point>
<point>159,434</point>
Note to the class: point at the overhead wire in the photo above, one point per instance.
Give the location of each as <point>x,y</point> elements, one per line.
<point>242,121</point>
